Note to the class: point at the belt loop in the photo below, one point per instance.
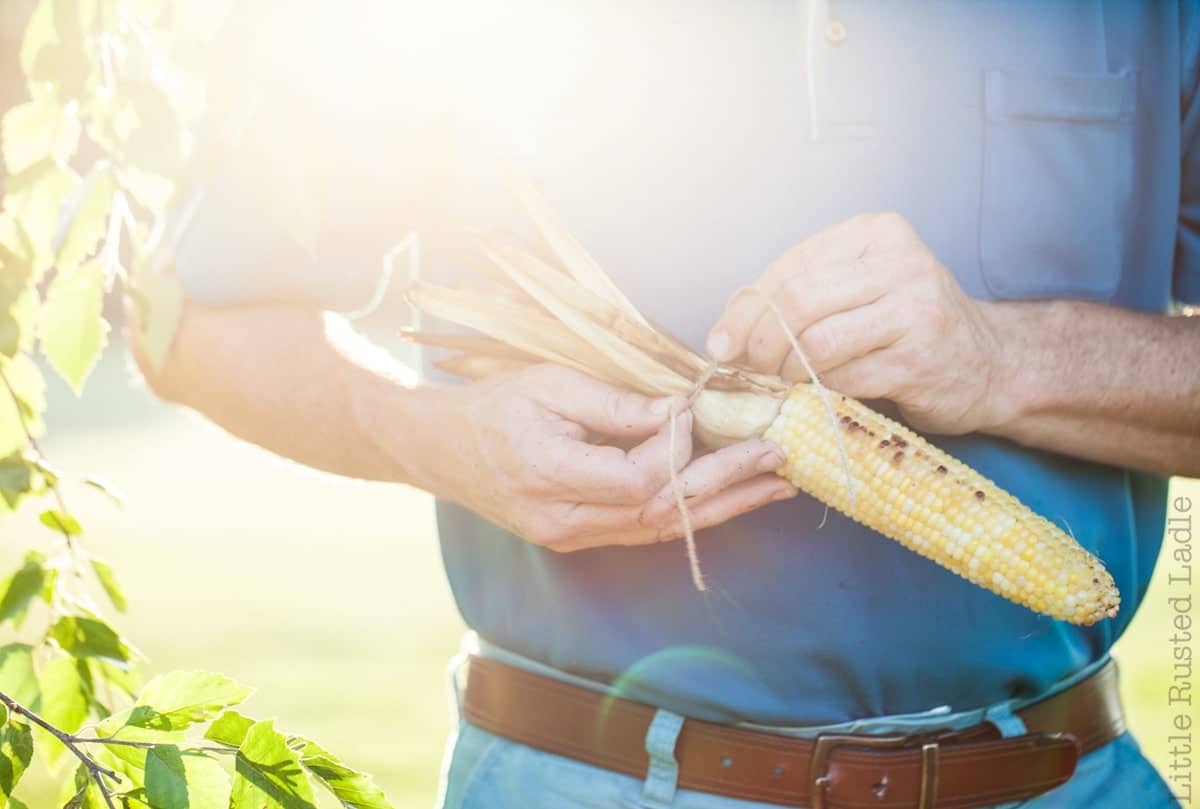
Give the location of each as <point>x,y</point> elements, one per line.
<point>662,777</point>
<point>456,674</point>
<point>1008,723</point>
<point>930,775</point>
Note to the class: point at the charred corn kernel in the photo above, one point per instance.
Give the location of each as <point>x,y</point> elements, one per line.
<point>928,501</point>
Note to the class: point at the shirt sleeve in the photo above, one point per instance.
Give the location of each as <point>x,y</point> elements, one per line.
<point>318,159</point>
<point>1187,248</point>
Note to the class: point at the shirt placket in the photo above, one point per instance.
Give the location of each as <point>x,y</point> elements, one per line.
<point>836,57</point>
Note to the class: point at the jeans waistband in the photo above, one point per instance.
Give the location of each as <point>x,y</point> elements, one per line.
<point>941,717</point>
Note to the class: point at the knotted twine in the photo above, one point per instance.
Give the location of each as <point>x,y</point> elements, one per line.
<point>685,516</point>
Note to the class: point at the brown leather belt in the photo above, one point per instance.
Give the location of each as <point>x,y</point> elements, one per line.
<point>974,767</point>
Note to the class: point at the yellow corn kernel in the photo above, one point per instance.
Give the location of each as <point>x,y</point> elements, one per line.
<point>912,492</point>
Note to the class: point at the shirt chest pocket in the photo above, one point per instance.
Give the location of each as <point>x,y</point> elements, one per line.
<point>1057,182</point>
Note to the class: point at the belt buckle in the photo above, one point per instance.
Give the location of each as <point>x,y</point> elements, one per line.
<point>824,745</point>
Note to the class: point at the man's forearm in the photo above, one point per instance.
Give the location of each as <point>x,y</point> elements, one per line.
<point>1100,383</point>
<point>281,378</point>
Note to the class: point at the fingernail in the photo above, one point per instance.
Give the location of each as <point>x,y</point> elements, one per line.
<point>719,345</point>
<point>784,494</point>
<point>773,459</point>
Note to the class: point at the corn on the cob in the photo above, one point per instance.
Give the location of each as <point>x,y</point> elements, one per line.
<point>898,484</point>
<point>932,503</point>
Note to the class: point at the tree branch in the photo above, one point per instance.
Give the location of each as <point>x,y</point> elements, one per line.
<point>95,770</point>
<point>147,745</point>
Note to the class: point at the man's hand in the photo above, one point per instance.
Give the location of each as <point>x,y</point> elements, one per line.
<point>532,451</point>
<point>879,317</point>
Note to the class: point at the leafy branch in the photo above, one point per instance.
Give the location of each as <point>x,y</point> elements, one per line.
<point>97,772</point>
<point>270,768</point>
<point>107,75</point>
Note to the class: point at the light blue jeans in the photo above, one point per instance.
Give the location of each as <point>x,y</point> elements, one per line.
<point>484,771</point>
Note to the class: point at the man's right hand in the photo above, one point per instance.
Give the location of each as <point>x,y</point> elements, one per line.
<point>529,450</point>
<point>532,451</point>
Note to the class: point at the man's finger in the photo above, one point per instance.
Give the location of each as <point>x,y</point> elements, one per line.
<point>608,475</point>
<point>704,477</point>
<point>738,499</point>
<point>836,246</point>
<point>804,300</point>
<point>846,336</point>
<point>712,473</point>
<point>727,340</point>
<point>603,408</point>
<point>805,289</point>
<point>878,375</point>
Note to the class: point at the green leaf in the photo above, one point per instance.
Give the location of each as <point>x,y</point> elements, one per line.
<point>109,686</point>
<point>49,585</point>
<point>38,129</point>
<point>16,751</point>
<point>10,334</point>
<point>51,473</point>
<point>132,799</point>
<point>14,803</point>
<point>133,758</point>
<point>16,252</point>
<point>106,487</point>
<point>155,143</point>
<point>60,521</point>
<point>179,699</point>
<point>17,678</point>
<point>54,50</point>
<point>73,329</point>
<point>229,728</point>
<point>18,298</point>
<point>90,637</point>
<point>39,33</point>
<point>63,702</point>
<point>159,303</point>
<point>35,198</point>
<point>84,219</point>
<point>150,190</point>
<point>112,587</point>
<point>16,477</point>
<point>30,389</point>
<point>166,779</point>
<point>354,789</point>
<point>22,587</point>
<point>72,18</point>
<point>185,779</point>
<point>18,322</point>
<point>86,795</point>
<point>123,678</point>
<point>267,773</point>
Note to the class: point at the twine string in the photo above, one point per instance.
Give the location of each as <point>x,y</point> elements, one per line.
<point>822,392</point>
<point>685,516</point>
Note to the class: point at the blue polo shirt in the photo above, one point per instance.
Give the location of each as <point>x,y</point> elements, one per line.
<point>1043,150</point>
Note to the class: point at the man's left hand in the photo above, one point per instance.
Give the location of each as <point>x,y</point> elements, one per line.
<point>879,317</point>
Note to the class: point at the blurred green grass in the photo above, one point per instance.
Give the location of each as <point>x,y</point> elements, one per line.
<point>326,595</point>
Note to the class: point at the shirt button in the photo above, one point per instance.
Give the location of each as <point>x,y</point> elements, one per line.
<point>835,32</point>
